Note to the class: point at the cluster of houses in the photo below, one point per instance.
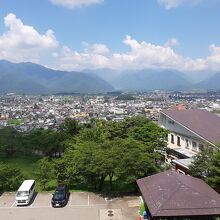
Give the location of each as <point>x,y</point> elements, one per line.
<point>28,112</point>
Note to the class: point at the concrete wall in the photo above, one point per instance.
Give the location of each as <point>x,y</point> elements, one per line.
<point>177,131</point>
<point>183,142</point>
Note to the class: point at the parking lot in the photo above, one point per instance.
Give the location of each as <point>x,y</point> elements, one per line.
<point>81,206</point>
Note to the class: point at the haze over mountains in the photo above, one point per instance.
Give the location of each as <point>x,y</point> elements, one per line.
<point>29,78</point>
<point>150,79</point>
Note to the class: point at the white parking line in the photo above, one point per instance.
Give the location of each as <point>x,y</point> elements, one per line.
<point>40,207</point>
<point>13,204</point>
<point>70,199</point>
<point>30,207</point>
<point>5,207</point>
<point>93,205</point>
<point>88,199</point>
<point>1,196</point>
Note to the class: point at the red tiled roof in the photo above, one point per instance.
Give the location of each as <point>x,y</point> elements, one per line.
<point>174,194</point>
<point>202,122</point>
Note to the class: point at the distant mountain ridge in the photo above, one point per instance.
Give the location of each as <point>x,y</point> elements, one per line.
<point>152,80</point>
<point>30,78</point>
<point>156,79</point>
<point>212,82</point>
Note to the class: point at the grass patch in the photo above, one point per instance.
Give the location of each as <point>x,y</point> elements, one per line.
<point>15,121</point>
<point>25,163</point>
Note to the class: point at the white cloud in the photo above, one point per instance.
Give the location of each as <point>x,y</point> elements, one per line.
<point>145,55</point>
<point>141,55</point>
<point>73,60</point>
<point>169,4</point>
<point>96,48</point>
<point>214,59</point>
<point>171,42</point>
<point>24,43</point>
<point>75,3</point>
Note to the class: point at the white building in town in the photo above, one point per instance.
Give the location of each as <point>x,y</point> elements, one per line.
<point>189,130</point>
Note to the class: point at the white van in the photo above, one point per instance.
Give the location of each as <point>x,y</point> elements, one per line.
<point>25,192</point>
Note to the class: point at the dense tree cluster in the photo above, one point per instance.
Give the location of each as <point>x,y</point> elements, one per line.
<point>111,151</point>
<point>91,154</point>
<point>10,177</point>
<point>206,165</point>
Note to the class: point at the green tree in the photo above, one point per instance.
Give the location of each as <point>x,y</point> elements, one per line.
<point>201,162</point>
<point>70,127</point>
<point>44,171</point>
<point>134,161</point>
<point>206,165</point>
<point>214,171</point>
<point>95,134</point>
<point>61,171</point>
<point>136,121</point>
<point>46,142</point>
<point>91,163</point>
<point>150,134</point>
<point>84,161</point>
<point>10,177</point>
<point>115,130</point>
<point>126,150</point>
<point>9,141</point>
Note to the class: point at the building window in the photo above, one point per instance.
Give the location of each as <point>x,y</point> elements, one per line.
<point>178,141</point>
<point>172,138</point>
<point>187,143</point>
<point>201,147</point>
<point>171,122</point>
<point>194,146</point>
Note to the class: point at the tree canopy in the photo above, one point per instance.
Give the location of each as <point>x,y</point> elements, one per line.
<point>206,165</point>
<point>122,150</point>
<point>95,154</point>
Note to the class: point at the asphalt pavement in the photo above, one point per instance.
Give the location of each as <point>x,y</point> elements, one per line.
<point>81,206</point>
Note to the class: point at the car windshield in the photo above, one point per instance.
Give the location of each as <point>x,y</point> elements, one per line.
<point>58,195</point>
<point>22,193</point>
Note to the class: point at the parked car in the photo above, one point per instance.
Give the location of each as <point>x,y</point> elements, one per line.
<point>25,192</point>
<point>60,196</point>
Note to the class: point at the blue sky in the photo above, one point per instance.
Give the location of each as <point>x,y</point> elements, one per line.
<point>117,34</point>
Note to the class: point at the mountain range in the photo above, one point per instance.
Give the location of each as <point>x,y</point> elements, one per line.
<point>30,78</point>
<point>151,79</point>
<point>211,83</point>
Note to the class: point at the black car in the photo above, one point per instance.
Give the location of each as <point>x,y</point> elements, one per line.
<point>60,196</point>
